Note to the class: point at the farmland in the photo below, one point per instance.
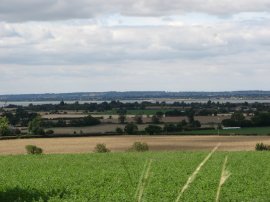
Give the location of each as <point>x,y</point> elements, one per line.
<point>241,131</point>
<point>122,143</point>
<point>116,176</point>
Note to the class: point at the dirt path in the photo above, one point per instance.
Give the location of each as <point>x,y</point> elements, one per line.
<point>122,143</point>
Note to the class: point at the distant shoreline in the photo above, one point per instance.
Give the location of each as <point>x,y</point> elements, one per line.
<point>167,100</point>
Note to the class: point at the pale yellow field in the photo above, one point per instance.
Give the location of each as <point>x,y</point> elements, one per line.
<point>122,143</point>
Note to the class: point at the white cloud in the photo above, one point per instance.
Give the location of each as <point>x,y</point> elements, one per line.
<point>131,45</point>
<point>33,10</point>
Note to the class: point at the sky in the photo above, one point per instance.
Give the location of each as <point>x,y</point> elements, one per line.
<point>53,46</point>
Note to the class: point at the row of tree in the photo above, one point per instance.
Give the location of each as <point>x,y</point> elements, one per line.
<point>239,120</point>
<point>181,108</point>
<point>132,128</point>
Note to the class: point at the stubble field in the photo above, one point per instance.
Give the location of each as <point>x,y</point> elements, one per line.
<point>122,143</point>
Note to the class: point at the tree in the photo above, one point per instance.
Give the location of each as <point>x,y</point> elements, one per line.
<point>153,130</point>
<point>155,119</point>
<point>196,124</point>
<point>170,127</point>
<point>4,128</point>
<point>138,119</point>
<point>122,118</point>
<point>190,116</point>
<point>238,117</point>
<point>119,130</point>
<point>159,114</point>
<point>131,128</point>
<point>34,127</point>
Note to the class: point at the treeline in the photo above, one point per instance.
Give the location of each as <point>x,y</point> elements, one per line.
<point>152,129</point>
<point>78,122</point>
<point>260,119</point>
<point>202,109</point>
<point>21,117</point>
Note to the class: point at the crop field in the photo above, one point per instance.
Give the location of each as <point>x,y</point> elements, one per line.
<point>150,176</point>
<point>123,143</point>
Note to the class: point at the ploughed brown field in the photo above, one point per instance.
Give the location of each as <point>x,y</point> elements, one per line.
<point>122,143</point>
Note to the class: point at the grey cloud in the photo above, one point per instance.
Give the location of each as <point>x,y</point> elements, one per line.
<point>46,10</point>
<point>43,44</point>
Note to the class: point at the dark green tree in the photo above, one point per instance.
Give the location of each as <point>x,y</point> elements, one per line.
<point>131,129</point>
<point>155,119</point>
<point>138,119</point>
<point>153,130</point>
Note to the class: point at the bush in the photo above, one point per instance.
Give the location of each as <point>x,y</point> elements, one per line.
<point>139,147</point>
<point>262,147</point>
<point>101,148</point>
<point>32,149</point>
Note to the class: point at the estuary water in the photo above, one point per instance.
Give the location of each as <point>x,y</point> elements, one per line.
<point>26,103</point>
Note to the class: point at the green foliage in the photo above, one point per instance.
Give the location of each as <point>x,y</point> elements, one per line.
<point>21,117</point>
<point>156,119</point>
<point>86,121</point>
<point>139,147</point>
<point>138,119</point>
<point>170,127</point>
<point>262,147</point>
<point>115,177</point>
<point>119,130</point>
<point>131,129</point>
<point>34,127</point>
<point>153,130</point>
<point>32,149</point>
<point>101,148</point>
<point>261,119</point>
<point>122,118</point>
<point>4,128</point>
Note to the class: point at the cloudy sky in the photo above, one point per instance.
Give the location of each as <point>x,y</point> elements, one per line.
<point>101,45</point>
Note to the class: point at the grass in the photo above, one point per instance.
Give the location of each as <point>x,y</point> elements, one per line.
<point>242,131</point>
<point>116,176</point>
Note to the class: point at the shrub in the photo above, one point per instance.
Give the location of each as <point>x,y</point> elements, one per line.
<point>32,149</point>
<point>262,147</point>
<point>139,147</point>
<point>101,148</point>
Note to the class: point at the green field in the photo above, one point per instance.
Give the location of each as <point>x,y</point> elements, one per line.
<point>116,176</point>
<point>242,131</point>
